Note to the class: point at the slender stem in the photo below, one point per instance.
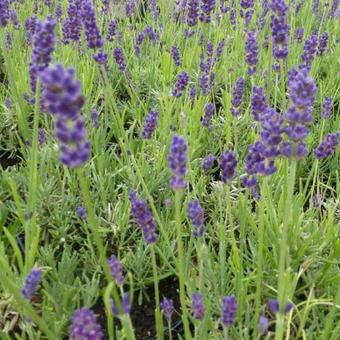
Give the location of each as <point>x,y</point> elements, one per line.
<point>289,185</point>
<point>180,264</point>
<point>170,330</point>
<point>158,315</point>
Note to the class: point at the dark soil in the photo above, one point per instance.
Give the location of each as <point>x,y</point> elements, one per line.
<point>143,317</point>
<point>7,159</point>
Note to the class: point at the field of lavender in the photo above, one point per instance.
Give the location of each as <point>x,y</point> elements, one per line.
<point>169,169</point>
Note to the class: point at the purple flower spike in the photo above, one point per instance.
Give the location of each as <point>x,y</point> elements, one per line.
<point>208,163</point>
<point>327,146</point>
<point>116,269</point>
<point>72,26</point>
<point>167,307</point>
<point>197,306</point>
<point>263,325</point>
<point>322,45</point>
<point>177,160</point>
<point>84,325</point>
<point>196,216</point>
<point>258,102</point>
<point>143,217</point>
<point>126,305</point>
<point>326,107</point>
<point>4,13</point>
<point>207,7</point>
<point>252,51</point>
<point>193,9</point>
<point>273,305</point>
<point>237,97</point>
<point>208,114</point>
<point>93,37</point>
<point>31,284</point>
<point>228,311</point>
<point>228,166</point>
<point>82,213</point>
<point>119,57</point>
<point>176,55</point>
<point>309,50</point>
<point>150,124</point>
<point>181,84</point>
<point>111,30</point>
<point>43,46</point>
<point>289,307</point>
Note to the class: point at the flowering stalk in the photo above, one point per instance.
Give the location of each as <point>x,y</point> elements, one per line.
<point>283,247</point>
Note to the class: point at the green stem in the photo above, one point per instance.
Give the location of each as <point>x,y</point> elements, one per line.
<point>180,265</point>
<point>158,315</point>
<point>289,185</point>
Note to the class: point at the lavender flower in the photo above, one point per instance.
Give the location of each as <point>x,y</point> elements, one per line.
<point>59,11</point>
<point>73,24</point>
<point>263,325</point>
<point>208,114</point>
<point>150,124</point>
<point>143,218</point>
<point>228,311</point>
<point>177,160</point>
<point>299,34</point>
<point>322,45</point>
<point>61,96</point>
<point>126,305</point>
<point>101,58</point>
<point>309,50</point>
<point>181,84</point>
<point>93,37</point>
<point>334,9</point>
<point>111,30</point>
<point>151,34</point>
<point>252,51</point>
<point>4,13</point>
<point>14,19</point>
<point>94,118</point>
<point>327,146</point>
<point>192,93</point>
<point>258,102</point>
<point>31,283</point>
<point>228,166</point>
<point>299,114</point>
<point>82,213</point>
<point>196,217</point>
<point>193,9</point>
<point>208,163</point>
<point>274,306</point>
<point>237,96</point>
<point>84,325</point>
<point>119,57</point>
<point>197,306</point>
<point>167,307</point>
<point>280,29</point>
<point>315,6</point>
<point>207,7</point>
<point>116,269</point>
<point>176,56</point>
<point>138,43</point>
<point>130,8</point>
<point>247,4</point>
<point>326,107</point>
<point>43,46</point>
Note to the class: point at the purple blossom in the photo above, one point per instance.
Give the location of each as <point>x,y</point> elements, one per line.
<point>130,8</point>
<point>138,43</point>
<point>14,19</point>
<point>326,107</point>
<point>4,13</point>
<point>334,8</point>
<point>181,84</point>
<point>247,4</point>
<point>126,305</point>
<point>258,102</point>
<point>167,307</point>
<point>252,51</point>
<point>197,306</point>
<point>309,50</point>
<point>263,325</point>
<point>150,124</point>
<point>143,217</point>
<point>61,96</point>
<point>82,213</point>
<point>176,55</point>
<point>31,283</point>
<point>196,217</point>
<point>73,24</point>
<point>193,10</point>
<point>237,96</point>
<point>274,306</point>
<point>177,160</point>
<point>59,11</point>
<point>43,46</point>
<point>84,325</point>
<point>228,166</point>
<point>94,118</point>
<point>299,34</point>
<point>119,57</point>
<point>116,269</point>
<point>101,58</point>
<point>322,45</point>
<point>192,93</point>
<point>208,163</point>
<point>151,34</point>
<point>208,114</point>
<point>207,7</point>
<point>111,30</point>
<point>327,146</point>
<point>228,311</point>
<point>93,37</point>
